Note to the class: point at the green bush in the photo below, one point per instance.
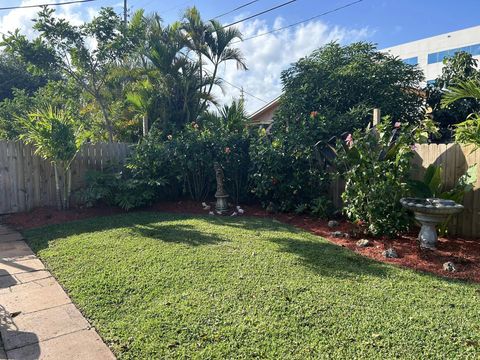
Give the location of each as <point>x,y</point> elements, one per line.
<point>116,188</point>
<point>376,166</point>
<point>287,174</point>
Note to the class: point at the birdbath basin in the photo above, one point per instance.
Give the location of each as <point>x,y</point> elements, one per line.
<point>429,213</point>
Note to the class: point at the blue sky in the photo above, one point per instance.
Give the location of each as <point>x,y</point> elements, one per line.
<point>392,21</point>
<point>385,22</point>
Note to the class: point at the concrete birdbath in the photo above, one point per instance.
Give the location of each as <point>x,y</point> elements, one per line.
<point>429,213</point>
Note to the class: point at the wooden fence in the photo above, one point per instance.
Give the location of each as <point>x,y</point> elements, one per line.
<point>27,181</point>
<point>455,160</point>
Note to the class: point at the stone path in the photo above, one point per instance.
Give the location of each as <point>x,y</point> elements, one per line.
<point>37,318</point>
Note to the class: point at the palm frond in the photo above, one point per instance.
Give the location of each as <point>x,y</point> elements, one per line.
<point>466,89</point>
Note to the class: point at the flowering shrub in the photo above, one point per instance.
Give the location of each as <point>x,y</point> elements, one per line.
<point>376,166</point>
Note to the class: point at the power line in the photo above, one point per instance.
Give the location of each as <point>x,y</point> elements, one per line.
<point>229,83</point>
<point>260,13</point>
<point>237,8</point>
<point>300,22</point>
<point>50,4</point>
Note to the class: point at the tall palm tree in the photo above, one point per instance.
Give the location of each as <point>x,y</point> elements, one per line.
<point>214,42</point>
<point>219,41</point>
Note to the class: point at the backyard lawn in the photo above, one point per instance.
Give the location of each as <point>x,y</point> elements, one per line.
<point>171,286</point>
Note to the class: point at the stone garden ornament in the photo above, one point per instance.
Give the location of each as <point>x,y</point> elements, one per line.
<point>221,195</point>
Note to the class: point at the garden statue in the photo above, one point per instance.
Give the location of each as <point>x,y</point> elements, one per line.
<point>221,195</point>
<point>429,213</point>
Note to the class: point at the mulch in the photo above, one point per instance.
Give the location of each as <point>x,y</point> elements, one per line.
<point>464,253</point>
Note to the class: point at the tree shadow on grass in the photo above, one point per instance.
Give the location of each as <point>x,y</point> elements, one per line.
<point>320,256</point>
<point>150,225</point>
<point>180,234</point>
<point>330,260</point>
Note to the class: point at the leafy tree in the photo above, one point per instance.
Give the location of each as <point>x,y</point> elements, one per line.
<point>15,75</point>
<point>343,84</point>
<point>457,70</point>
<point>67,48</point>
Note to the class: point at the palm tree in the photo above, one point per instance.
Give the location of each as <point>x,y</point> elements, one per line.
<point>214,42</point>
<point>468,131</point>
<point>142,98</point>
<point>219,48</point>
<point>52,132</point>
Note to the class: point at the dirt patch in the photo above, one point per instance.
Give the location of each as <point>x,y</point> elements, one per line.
<point>464,253</point>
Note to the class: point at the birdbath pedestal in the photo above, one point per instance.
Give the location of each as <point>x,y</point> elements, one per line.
<point>429,213</point>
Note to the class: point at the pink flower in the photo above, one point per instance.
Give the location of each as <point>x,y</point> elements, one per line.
<point>397,125</point>
<point>349,140</point>
<point>413,147</point>
<point>313,114</point>
<point>169,137</point>
<point>227,150</point>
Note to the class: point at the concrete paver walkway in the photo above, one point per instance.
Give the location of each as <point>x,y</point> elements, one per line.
<point>37,318</point>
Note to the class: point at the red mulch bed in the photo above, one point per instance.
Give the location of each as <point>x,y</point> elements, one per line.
<point>464,253</point>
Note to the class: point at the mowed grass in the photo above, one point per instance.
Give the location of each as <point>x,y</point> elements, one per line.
<point>170,286</point>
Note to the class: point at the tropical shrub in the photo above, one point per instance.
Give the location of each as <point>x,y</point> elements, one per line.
<point>376,166</point>
<point>458,70</point>
<point>467,131</point>
<point>286,173</point>
<point>56,138</point>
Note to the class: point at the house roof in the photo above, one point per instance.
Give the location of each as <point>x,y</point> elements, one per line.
<point>256,116</point>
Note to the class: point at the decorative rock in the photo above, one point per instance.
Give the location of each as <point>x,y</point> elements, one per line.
<point>211,213</point>
<point>390,253</point>
<point>337,234</point>
<point>449,266</point>
<point>363,243</point>
<point>333,223</point>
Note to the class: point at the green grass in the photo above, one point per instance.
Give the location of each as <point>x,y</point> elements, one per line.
<point>169,286</point>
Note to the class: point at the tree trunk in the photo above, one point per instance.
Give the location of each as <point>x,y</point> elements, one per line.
<point>108,123</point>
<point>57,187</point>
<point>68,187</point>
<point>145,125</point>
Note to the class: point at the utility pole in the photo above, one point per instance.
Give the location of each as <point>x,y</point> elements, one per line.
<point>125,12</point>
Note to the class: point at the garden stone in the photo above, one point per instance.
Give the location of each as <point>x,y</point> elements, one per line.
<point>363,243</point>
<point>337,234</point>
<point>449,266</point>
<point>390,253</point>
<point>333,223</point>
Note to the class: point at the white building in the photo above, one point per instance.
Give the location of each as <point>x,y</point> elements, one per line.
<point>429,53</point>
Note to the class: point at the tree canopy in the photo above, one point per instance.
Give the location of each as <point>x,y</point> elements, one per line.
<point>343,84</point>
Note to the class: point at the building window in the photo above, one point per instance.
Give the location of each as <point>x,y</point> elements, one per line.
<point>411,61</point>
<point>439,56</point>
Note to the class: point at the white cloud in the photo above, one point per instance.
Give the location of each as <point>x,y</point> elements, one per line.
<point>266,56</point>
<point>22,18</point>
